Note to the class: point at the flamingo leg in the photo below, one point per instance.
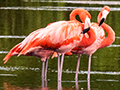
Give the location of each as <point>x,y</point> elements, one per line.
<point>89,64</point>
<point>59,86</point>
<point>45,83</point>
<point>62,59</point>
<point>44,73</point>
<point>59,68</point>
<point>88,84</point>
<point>77,69</point>
<point>43,69</point>
<point>46,66</point>
<point>77,86</point>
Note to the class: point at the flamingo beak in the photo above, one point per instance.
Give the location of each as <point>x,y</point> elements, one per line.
<point>104,15</point>
<point>86,26</point>
<point>85,30</point>
<point>101,21</point>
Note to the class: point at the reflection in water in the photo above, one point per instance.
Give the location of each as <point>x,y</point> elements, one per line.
<point>8,86</point>
<point>59,86</point>
<point>44,85</point>
<point>77,86</point>
<point>88,84</point>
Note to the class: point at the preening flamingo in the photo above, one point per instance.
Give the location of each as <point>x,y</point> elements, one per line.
<point>61,36</point>
<point>100,42</point>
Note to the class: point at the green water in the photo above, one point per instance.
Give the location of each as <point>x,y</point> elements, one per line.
<point>19,18</point>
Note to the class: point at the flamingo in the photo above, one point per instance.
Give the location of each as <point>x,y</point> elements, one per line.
<point>40,52</point>
<point>16,49</point>
<point>100,42</point>
<point>61,36</point>
<point>36,51</point>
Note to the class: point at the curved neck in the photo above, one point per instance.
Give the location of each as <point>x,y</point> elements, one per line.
<point>110,38</point>
<point>99,17</point>
<point>87,41</point>
<point>82,14</point>
<point>111,34</point>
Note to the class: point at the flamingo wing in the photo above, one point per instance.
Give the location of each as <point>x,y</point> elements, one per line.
<point>61,36</point>
<point>17,49</point>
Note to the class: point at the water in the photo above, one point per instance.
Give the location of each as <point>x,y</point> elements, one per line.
<point>19,18</point>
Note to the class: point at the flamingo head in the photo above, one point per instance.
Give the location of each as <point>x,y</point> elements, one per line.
<point>103,14</point>
<point>86,25</point>
<point>84,17</point>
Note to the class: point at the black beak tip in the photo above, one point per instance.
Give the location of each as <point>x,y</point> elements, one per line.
<point>85,30</point>
<point>102,20</point>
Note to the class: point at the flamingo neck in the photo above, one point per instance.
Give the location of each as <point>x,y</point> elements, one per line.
<point>87,41</point>
<point>110,38</point>
<point>99,16</point>
<point>82,14</point>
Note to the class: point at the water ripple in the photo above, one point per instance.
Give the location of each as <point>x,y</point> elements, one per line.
<point>117,37</point>
<point>8,75</point>
<point>107,80</point>
<point>3,52</point>
<point>56,8</point>
<point>94,72</point>
<point>78,2</point>
<point>75,81</point>
<point>18,68</point>
<point>10,36</point>
<point>114,45</point>
<point>10,68</point>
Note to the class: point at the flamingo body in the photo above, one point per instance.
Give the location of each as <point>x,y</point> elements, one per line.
<point>60,36</point>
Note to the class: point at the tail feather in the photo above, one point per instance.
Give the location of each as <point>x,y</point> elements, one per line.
<point>12,52</point>
<point>27,47</point>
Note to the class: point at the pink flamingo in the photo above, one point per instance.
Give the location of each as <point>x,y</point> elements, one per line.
<point>44,52</point>
<point>61,36</point>
<point>100,42</point>
<point>38,52</point>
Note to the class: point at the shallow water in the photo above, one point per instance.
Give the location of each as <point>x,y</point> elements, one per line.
<point>19,18</point>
